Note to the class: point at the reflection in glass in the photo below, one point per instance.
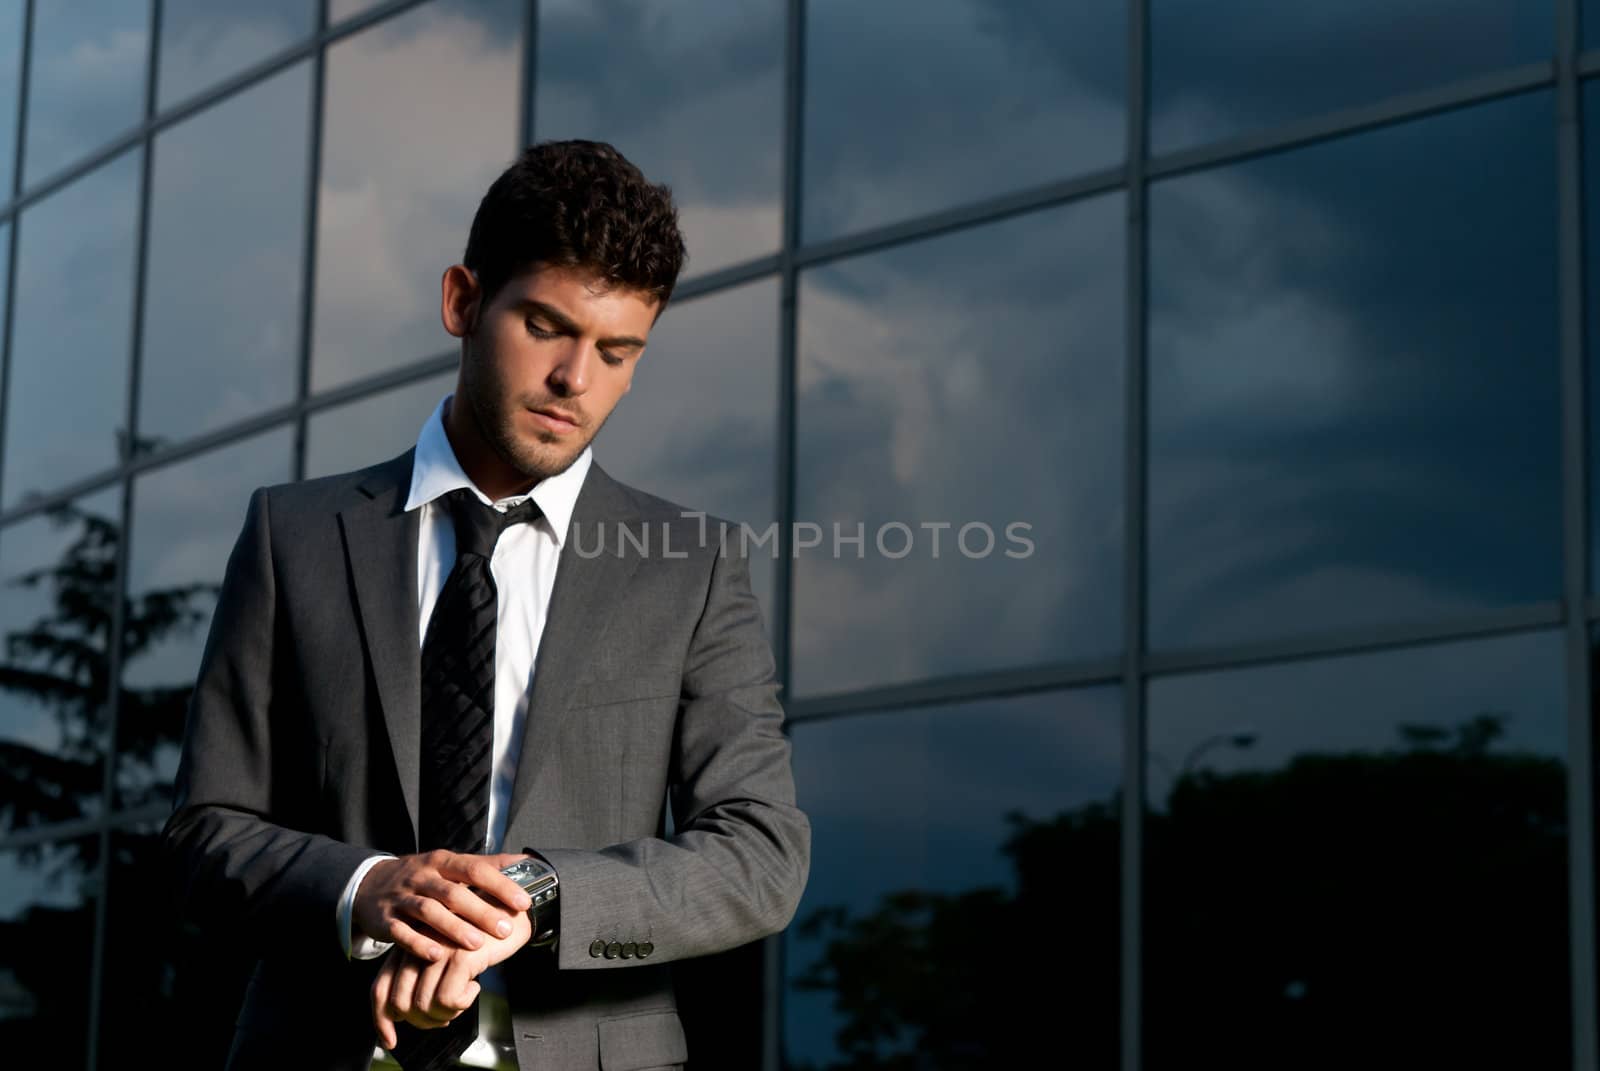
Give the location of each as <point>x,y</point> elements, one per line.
<point>699,426</point>
<point>86,79</point>
<point>912,106</point>
<point>950,844</point>
<point>972,381</point>
<point>185,520</point>
<point>67,401</point>
<point>1354,394</point>
<point>374,429</point>
<point>222,320</point>
<point>57,590</point>
<point>692,94</point>
<point>46,950</point>
<point>1276,64</point>
<point>1343,855</point>
<point>10,85</point>
<point>179,975</point>
<point>339,10</point>
<point>395,208</point>
<point>203,42</point>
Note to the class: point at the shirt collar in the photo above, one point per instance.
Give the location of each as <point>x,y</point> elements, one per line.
<point>435,471</point>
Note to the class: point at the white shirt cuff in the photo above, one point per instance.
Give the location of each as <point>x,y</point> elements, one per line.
<point>362,947</point>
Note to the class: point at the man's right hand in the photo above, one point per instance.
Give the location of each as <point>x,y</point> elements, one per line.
<point>423,903</point>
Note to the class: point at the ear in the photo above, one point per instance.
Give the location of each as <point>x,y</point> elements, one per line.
<point>458,300</point>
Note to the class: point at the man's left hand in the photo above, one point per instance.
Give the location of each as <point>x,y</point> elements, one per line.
<point>429,995</point>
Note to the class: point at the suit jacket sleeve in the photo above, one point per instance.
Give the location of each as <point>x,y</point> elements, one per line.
<point>242,868</point>
<point>737,863</point>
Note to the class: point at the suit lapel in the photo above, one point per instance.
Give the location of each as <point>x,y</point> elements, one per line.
<point>380,540</point>
<point>593,571</point>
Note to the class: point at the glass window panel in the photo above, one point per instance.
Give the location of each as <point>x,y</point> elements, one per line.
<point>1280,62</point>
<point>374,429</point>
<point>690,92</point>
<point>339,10</point>
<point>395,208</point>
<point>949,844</point>
<point>1591,23</point>
<point>913,106</point>
<point>10,85</point>
<point>1344,854</point>
<point>57,588</point>
<point>203,42</point>
<point>222,327</point>
<point>86,79</point>
<point>66,405</point>
<point>178,974</point>
<point>47,922</point>
<point>1353,392</point>
<point>974,381</point>
<point>185,520</point>
<point>723,458</point>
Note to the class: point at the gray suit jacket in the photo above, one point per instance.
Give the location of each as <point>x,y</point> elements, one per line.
<point>654,681</point>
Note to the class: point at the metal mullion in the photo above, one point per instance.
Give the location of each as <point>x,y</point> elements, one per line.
<point>1575,511</point>
<point>530,74</point>
<point>23,73</point>
<point>772,960</point>
<point>727,278</point>
<point>940,691</point>
<point>130,449</point>
<point>308,268</point>
<point>1131,922</point>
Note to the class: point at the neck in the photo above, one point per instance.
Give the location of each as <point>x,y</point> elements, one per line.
<point>486,469</point>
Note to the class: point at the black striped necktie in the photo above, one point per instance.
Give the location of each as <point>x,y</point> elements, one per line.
<point>458,727</point>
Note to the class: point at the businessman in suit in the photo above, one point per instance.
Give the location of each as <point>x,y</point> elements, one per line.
<point>482,653</point>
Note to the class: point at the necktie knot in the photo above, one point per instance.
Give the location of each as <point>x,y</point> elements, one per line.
<point>478,526</point>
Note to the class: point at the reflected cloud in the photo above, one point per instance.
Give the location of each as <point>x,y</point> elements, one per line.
<point>86,79</point>
<point>203,42</point>
<point>394,208</point>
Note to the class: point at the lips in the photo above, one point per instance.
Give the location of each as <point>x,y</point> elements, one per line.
<point>556,418</point>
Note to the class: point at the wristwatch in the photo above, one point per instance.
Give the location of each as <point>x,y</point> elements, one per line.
<point>538,879</point>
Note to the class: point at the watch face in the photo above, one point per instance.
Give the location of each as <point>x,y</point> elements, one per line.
<point>531,874</point>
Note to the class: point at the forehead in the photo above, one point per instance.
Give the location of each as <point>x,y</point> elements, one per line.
<point>579,293</point>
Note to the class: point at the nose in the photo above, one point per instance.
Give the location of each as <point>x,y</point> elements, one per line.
<point>574,367</point>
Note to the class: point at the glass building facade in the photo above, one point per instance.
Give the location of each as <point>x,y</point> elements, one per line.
<point>1178,420</point>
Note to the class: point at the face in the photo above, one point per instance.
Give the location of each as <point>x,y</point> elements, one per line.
<point>545,363</point>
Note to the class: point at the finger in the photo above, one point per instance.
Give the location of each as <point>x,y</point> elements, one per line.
<point>467,904</point>
<point>480,872</point>
<point>453,983</point>
<point>405,984</point>
<point>380,1000</point>
<point>451,927</point>
<point>418,944</point>
<point>428,987</point>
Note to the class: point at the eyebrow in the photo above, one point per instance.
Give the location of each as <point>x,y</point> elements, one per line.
<point>564,323</point>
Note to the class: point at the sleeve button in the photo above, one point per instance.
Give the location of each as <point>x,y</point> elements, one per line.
<point>645,948</point>
<point>597,949</point>
<point>629,949</point>
<point>613,950</point>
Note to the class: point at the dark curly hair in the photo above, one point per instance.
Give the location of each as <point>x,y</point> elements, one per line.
<point>577,204</point>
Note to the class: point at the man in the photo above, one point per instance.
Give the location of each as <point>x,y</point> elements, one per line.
<point>483,652</point>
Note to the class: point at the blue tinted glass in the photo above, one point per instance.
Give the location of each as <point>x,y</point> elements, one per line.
<point>57,587</point>
<point>690,92</point>
<point>66,405</point>
<point>185,520</point>
<point>1344,854</point>
<point>86,79</point>
<point>222,322</point>
<point>914,106</point>
<point>10,85</point>
<point>960,407</point>
<point>1590,15</point>
<point>203,42</point>
<point>395,207</point>
<point>374,429</point>
<point>1354,381</point>
<point>1221,69</point>
<point>700,425</point>
<point>47,930</point>
<point>949,844</point>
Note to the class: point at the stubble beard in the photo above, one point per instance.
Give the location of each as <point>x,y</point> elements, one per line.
<point>495,414</point>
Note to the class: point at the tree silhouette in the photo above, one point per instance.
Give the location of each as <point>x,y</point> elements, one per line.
<point>1370,909</point>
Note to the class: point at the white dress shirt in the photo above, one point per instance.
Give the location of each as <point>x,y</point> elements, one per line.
<point>524,570</point>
